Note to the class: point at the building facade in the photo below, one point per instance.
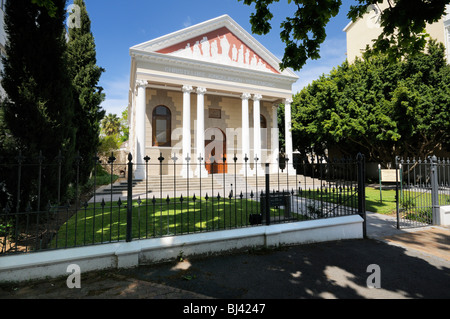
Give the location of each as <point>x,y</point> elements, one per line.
<point>363,31</point>
<point>207,92</point>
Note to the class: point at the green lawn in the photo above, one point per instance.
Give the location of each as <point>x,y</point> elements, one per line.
<point>373,203</point>
<point>154,219</point>
<point>383,203</point>
<point>157,218</point>
<point>387,204</point>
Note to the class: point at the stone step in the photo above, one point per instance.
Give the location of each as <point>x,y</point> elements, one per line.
<point>236,182</point>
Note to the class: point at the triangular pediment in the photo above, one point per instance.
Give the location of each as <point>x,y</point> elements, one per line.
<point>219,41</point>
<point>220,46</point>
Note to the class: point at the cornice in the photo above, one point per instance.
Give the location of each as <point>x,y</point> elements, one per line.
<point>196,65</point>
<point>205,27</point>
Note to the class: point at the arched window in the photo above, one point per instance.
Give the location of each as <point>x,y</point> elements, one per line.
<point>161,126</point>
<point>263,122</point>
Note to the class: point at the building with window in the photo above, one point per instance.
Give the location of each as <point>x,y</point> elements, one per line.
<point>204,93</point>
<point>362,32</point>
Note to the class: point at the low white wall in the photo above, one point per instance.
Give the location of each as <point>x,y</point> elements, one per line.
<point>444,218</point>
<point>54,264</point>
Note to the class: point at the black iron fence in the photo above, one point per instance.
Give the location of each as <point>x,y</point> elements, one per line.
<point>113,206</point>
<point>423,185</point>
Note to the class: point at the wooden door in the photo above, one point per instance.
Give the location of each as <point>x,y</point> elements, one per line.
<point>216,147</point>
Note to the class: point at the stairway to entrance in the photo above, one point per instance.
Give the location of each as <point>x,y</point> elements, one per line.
<point>167,185</point>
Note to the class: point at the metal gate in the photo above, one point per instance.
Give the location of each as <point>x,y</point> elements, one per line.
<point>422,188</point>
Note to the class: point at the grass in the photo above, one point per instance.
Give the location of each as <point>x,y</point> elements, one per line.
<point>384,203</point>
<point>107,223</point>
<point>387,204</point>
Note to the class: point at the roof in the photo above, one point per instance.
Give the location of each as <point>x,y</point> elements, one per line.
<point>219,41</point>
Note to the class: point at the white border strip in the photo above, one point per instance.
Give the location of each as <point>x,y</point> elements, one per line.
<point>54,264</point>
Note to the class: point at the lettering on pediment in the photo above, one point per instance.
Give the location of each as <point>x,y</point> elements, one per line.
<point>220,46</point>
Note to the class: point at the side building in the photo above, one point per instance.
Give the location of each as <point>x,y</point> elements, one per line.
<point>362,32</point>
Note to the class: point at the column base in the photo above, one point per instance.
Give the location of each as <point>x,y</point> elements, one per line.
<point>274,168</point>
<point>201,172</point>
<point>187,173</point>
<point>139,174</point>
<point>260,171</point>
<point>246,172</point>
<point>290,170</point>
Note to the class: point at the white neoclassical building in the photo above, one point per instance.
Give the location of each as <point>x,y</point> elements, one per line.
<point>207,92</point>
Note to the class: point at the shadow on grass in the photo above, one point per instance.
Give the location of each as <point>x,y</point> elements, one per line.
<point>107,221</point>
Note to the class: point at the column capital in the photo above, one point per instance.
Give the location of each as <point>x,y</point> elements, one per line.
<point>187,89</point>
<point>257,97</point>
<point>201,90</point>
<point>288,101</point>
<point>275,107</point>
<point>141,83</point>
<point>246,96</point>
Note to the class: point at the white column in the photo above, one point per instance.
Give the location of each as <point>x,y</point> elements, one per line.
<point>288,135</point>
<point>200,134</point>
<point>141,106</point>
<point>275,140</point>
<point>185,172</point>
<point>257,130</point>
<point>245,132</point>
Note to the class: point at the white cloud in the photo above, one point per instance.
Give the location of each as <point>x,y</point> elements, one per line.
<point>188,22</point>
<point>116,91</point>
<point>115,106</point>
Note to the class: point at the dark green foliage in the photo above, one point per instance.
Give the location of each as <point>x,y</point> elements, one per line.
<point>88,95</point>
<point>38,112</point>
<point>379,108</point>
<point>403,24</point>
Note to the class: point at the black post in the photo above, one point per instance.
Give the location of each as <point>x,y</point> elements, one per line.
<point>130,198</point>
<point>362,191</point>
<point>267,211</point>
<point>397,198</point>
<point>436,218</point>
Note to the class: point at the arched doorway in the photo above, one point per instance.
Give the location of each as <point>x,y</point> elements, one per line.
<point>215,146</point>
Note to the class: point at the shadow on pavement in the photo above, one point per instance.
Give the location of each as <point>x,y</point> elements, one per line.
<point>325,270</point>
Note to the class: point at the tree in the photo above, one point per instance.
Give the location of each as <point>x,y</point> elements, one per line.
<point>88,95</point>
<point>378,108</point>
<point>403,24</point>
<point>111,124</point>
<point>49,5</point>
<point>38,111</point>
<point>124,127</point>
<point>115,132</point>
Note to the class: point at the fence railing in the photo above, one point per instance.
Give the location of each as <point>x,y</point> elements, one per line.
<point>114,207</point>
<point>423,188</point>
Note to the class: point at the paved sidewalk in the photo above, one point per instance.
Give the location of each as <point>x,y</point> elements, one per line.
<point>414,264</point>
<point>431,240</point>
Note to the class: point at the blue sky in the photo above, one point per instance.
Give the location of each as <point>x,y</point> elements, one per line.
<point>118,25</point>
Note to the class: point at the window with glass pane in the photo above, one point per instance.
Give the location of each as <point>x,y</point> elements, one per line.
<point>162,126</point>
<point>263,123</point>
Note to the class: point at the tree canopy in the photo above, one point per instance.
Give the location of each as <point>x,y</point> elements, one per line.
<point>49,5</point>
<point>403,24</point>
<point>88,96</point>
<point>378,108</point>
<point>38,111</point>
